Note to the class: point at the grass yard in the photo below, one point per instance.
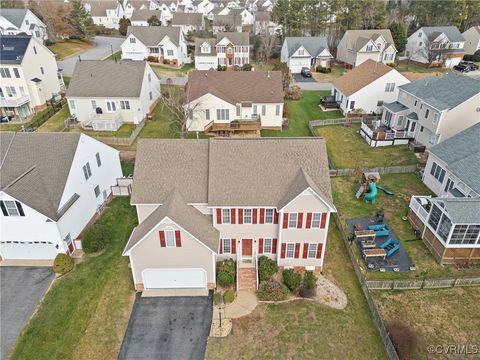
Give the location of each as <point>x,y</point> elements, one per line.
<point>337,71</point>
<point>434,317</point>
<point>116,55</point>
<point>171,70</point>
<point>347,149</point>
<point>86,312</point>
<point>124,131</point>
<point>301,112</point>
<point>55,121</point>
<point>395,207</point>
<point>404,66</point>
<point>307,330</point>
<point>127,167</point>
<point>66,80</point>
<point>64,49</point>
<point>17,127</point>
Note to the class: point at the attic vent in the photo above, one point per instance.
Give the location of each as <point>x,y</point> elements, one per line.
<point>8,48</point>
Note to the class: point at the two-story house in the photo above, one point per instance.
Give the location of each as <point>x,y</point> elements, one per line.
<point>16,21</point>
<point>167,8</point>
<point>52,186</point>
<point>243,198</point>
<point>29,76</point>
<point>231,102</point>
<point>472,40</point>
<point>228,49</point>
<point>309,52</point>
<point>357,46</point>
<point>436,46</point>
<point>204,6</point>
<point>130,6</point>
<point>103,95</point>
<point>105,12</point>
<point>159,42</point>
<point>430,110</point>
<point>188,22</point>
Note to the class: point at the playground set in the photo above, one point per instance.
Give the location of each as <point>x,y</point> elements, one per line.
<point>379,247</point>
<point>368,189</point>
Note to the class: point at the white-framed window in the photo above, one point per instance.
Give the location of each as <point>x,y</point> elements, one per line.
<point>111,106</point>
<point>312,251</point>
<point>316,218</point>
<point>255,113</point>
<point>435,119</point>
<point>99,161</point>
<point>149,77</point>
<point>267,246</point>
<point>290,250</point>
<point>301,52</point>
<point>205,49</point>
<point>225,216</point>
<point>11,92</point>
<point>133,40</point>
<point>437,171</point>
<point>227,246</point>
<point>97,191</point>
<point>230,50</point>
<point>16,73</point>
<point>72,104</point>
<point>223,114</point>
<point>427,112</point>
<point>247,216</point>
<point>94,104</point>
<point>292,220</point>
<point>264,110</point>
<point>420,34</point>
<point>87,172</point>
<point>169,52</point>
<point>277,110</point>
<point>170,237</point>
<point>150,95</point>
<point>269,216</point>
<point>238,110</point>
<point>11,208</point>
<point>124,104</point>
<point>35,50</point>
<point>420,43</point>
<point>369,48</point>
<point>5,73</point>
<point>389,87</point>
<point>207,114</point>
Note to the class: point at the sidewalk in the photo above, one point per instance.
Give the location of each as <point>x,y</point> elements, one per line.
<point>244,304</point>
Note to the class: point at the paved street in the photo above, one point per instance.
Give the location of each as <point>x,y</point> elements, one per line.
<point>100,51</point>
<point>21,289</point>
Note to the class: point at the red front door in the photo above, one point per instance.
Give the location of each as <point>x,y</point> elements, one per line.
<point>247,247</point>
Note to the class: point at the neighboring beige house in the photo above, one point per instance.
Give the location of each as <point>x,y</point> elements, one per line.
<point>228,49</point>
<point>472,40</point>
<point>429,110</point>
<point>103,95</point>
<point>28,76</point>
<point>357,46</point>
<point>209,200</point>
<point>231,102</point>
<point>227,23</point>
<point>307,51</point>
<point>140,17</point>
<point>160,42</point>
<point>188,22</point>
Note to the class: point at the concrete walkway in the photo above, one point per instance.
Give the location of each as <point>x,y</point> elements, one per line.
<point>39,263</point>
<point>244,304</point>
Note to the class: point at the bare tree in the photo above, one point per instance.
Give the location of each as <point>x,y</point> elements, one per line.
<point>431,51</point>
<point>267,44</point>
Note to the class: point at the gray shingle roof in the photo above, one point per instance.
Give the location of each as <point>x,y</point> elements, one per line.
<point>395,106</point>
<point>100,7</point>
<point>97,78</point>
<point>193,19</point>
<point>444,92</point>
<point>230,20</point>
<point>186,216</point>
<point>461,210</point>
<point>461,154</point>
<point>211,42</point>
<point>314,45</point>
<point>451,32</point>
<point>15,16</point>
<point>358,38</point>
<point>413,115</point>
<point>152,35</point>
<point>237,38</point>
<point>145,14</point>
<point>33,169</point>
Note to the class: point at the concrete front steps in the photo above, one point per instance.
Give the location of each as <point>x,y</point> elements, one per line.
<point>247,279</point>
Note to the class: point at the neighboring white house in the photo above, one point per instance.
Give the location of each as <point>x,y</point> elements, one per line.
<point>188,22</point>
<point>309,52</point>
<point>436,46</point>
<point>167,8</point>
<point>28,76</point>
<point>163,43</point>
<point>106,94</point>
<point>204,7</point>
<point>357,46</point>
<point>365,88</point>
<point>130,6</point>
<point>105,12</point>
<point>227,102</point>
<point>472,40</point>
<point>263,23</point>
<point>52,186</point>
<point>228,49</point>
<point>140,17</point>
<point>246,16</point>
<point>16,21</point>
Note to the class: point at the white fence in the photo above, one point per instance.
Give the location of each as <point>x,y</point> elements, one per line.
<point>421,284</point>
<point>123,187</point>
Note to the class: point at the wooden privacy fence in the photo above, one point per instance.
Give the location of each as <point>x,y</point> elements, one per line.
<point>380,170</point>
<point>122,141</point>
<point>123,187</point>
<point>421,284</point>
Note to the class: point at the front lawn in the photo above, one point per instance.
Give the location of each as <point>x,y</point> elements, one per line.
<point>405,66</point>
<point>434,317</point>
<point>85,313</point>
<point>67,48</point>
<point>56,120</point>
<point>337,71</point>
<point>347,149</point>
<point>301,112</point>
<point>395,207</point>
<point>304,329</point>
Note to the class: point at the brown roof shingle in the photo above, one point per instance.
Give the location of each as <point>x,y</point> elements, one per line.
<point>181,18</point>
<point>237,38</point>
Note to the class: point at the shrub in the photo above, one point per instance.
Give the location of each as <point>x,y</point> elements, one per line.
<point>217,298</point>
<point>294,93</point>
<point>221,68</point>
<point>292,279</point>
<point>62,264</point>
<point>247,67</point>
<point>49,42</point>
<point>475,57</point>
<point>151,58</point>
<point>393,65</point>
<point>237,68</point>
<point>271,290</point>
<point>266,268</point>
<point>226,272</point>
<point>310,280</point>
<point>96,238</point>
<point>403,338</point>
<point>229,296</point>
<point>323,70</point>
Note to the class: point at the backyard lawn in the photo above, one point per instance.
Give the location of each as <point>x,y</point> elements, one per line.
<point>395,207</point>
<point>284,331</point>
<point>123,132</point>
<point>337,71</point>
<point>55,121</point>
<point>301,112</point>
<point>85,313</point>
<point>64,49</point>
<point>434,317</point>
<point>347,149</point>
<point>17,127</point>
<point>171,70</point>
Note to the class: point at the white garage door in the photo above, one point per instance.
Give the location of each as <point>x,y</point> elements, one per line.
<point>39,250</point>
<point>296,65</point>
<point>133,55</point>
<point>174,279</point>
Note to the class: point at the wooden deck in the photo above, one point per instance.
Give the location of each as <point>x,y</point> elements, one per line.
<point>234,126</point>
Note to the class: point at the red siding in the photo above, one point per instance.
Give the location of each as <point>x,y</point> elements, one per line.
<point>162,238</point>
<point>255,213</point>
<point>234,246</point>
<point>300,221</point>
<point>232,216</point>
<point>319,250</point>
<point>240,216</point>
<point>275,217</point>
<point>178,238</point>
<point>297,250</point>
<point>260,246</point>
<point>305,250</point>
<point>282,251</point>
<point>219,216</point>
<point>285,220</point>
<point>262,216</point>
<point>323,221</point>
<point>308,225</point>
<point>274,246</point>
<point>220,250</point>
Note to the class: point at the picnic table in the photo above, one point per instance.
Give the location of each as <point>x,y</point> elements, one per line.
<point>367,253</point>
<point>365,234</point>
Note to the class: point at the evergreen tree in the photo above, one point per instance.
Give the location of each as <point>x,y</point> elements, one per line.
<point>82,20</point>
<point>153,21</point>
<point>399,35</point>
<point>124,23</point>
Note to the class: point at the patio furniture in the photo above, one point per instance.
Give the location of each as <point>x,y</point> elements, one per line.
<point>369,253</point>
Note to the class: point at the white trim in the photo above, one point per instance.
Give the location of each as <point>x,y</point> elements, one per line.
<point>332,209</point>
<point>308,250</point>
<point>324,246</point>
<point>132,267</point>
<point>288,220</point>
<point>286,249</point>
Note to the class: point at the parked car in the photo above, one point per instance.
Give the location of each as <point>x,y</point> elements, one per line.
<point>472,65</point>
<point>462,68</point>
<point>306,72</point>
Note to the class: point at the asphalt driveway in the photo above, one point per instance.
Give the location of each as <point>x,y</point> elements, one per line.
<point>21,289</point>
<point>101,50</point>
<point>299,78</point>
<point>164,328</point>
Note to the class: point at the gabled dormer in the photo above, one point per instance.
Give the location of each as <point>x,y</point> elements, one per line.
<point>301,51</point>
<point>205,48</point>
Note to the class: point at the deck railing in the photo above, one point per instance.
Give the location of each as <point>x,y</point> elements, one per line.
<point>417,208</point>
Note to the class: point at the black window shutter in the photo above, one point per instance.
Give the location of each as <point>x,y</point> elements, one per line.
<point>20,209</point>
<point>4,210</point>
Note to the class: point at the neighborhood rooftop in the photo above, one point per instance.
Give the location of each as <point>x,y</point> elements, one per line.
<point>444,92</point>
<point>314,45</point>
<point>92,78</point>
<point>193,19</point>
<point>451,32</point>
<point>145,14</point>
<point>100,7</point>
<point>153,35</point>
<point>15,16</point>
<point>237,38</point>
<point>13,48</point>
<point>358,38</point>
<point>461,210</point>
